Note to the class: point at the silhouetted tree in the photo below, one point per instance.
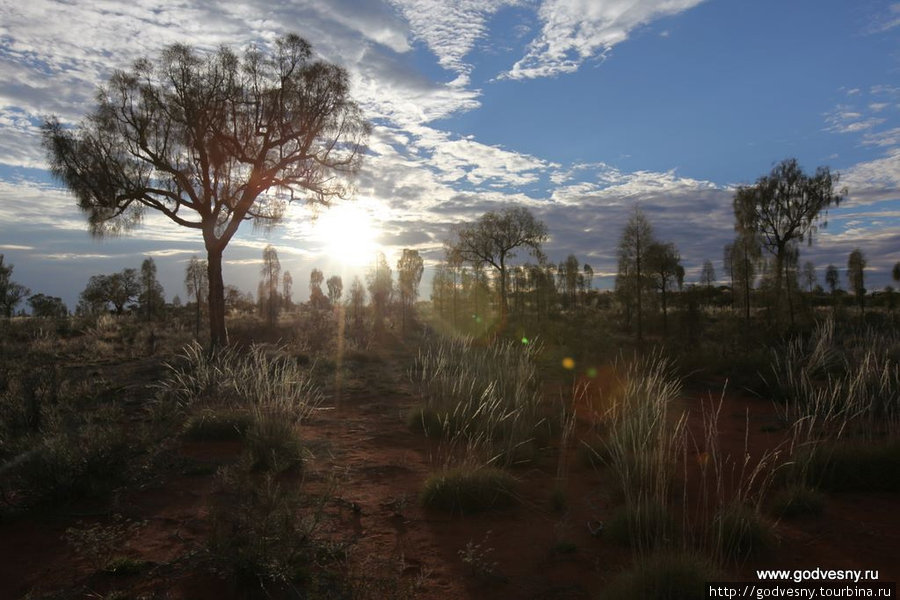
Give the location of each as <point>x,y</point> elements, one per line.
<point>47,306</point>
<point>784,207</point>
<point>708,279</point>
<point>494,239</point>
<point>409,273</point>
<point>895,272</point>
<point>832,278</point>
<point>206,138</point>
<point>381,287</point>
<point>196,282</point>
<point>11,293</point>
<point>151,298</point>
<point>119,289</point>
<point>317,298</point>
<point>287,284</point>
<point>335,289</point>
<point>809,276</point>
<point>271,275</point>
<point>633,280</point>
<point>666,272</point>
<point>357,305</point>
<point>856,265</point>
<point>741,259</point>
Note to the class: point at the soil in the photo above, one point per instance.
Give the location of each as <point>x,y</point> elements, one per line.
<point>359,441</point>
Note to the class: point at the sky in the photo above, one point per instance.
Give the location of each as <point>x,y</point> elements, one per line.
<point>579,110</point>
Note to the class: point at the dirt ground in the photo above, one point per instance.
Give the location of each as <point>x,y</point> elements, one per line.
<point>358,440</point>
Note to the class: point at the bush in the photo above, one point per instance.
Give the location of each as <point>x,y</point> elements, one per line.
<point>663,576</point>
<point>741,532</point>
<point>856,467</point>
<point>469,490</point>
<point>221,425</point>
<point>643,526</point>
<point>798,500</point>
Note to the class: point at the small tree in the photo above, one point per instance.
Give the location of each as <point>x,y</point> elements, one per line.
<point>335,289</point>
<point>210,140</point>
<point>409,273</point>
<point>151,299</point>
<point>196,283</point>
<point>832,279</point>
<point>119,289</point>
<point>381,286</point>
<point>271,273</point>
<point>494,239</point>
<point>11,293</point>
<point>47,306</point>
<point>357,305</point>
<point>633,278</point>
<point>856,265</point>
<point>708,279</point>
<point>809,276</point>
<point>287,284</point>
<point>317,298</point>
<point>666,272</point>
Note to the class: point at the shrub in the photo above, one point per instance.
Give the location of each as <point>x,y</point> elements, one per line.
<point>469,489</point>
<point>645,525</point>
<point>856,466</point>
<point>741,532</point>
<point>663,576</point>
<point>798,500</point>
<point>218,425</point>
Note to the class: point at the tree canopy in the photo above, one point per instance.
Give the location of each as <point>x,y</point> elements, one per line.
<point>210,140</point>
<point>493,240</point>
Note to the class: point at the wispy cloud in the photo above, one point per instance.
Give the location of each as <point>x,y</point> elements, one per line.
<point>575,31</point>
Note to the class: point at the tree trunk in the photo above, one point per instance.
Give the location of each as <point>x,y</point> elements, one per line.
<point>218,335</point>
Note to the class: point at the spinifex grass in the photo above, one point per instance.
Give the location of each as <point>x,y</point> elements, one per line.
<point>483,401</point>
<point>641,445</point>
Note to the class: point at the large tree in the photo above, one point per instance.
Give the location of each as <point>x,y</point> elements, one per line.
<point>211,140</point>
<point>783,208</point>
<point>493,240</point>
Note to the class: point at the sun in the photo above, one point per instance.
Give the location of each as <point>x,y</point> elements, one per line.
<point>348,234</point>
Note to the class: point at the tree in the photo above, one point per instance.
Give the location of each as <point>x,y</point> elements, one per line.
<point>588,275</point>
<point>357,305</point>
<point>708,278</point>
<point>856,265</point>
<point>380,282</point>
<point>271,273</point>
<point>784,207</point>
<point>632,280</point>
<point>196,282</point>
<point>119,289</point>
<point>335,289</point>
<point>895,272</point>
<point>11,293</point>
<point>809,275</point>
<point>287,283</point>
<point>665,270</point>
<point>832,278</point>
<point>741,259</point>
<point>493,240</point>
<point>409,273</point>
<point>570,277</point>
<point>317,298</point>
<point>151,298</point>
<point>210,140</point>
<point>47,306</point>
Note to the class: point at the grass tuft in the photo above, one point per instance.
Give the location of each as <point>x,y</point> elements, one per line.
<point>469,490</point>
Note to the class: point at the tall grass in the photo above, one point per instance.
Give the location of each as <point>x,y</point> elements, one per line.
<point>840,396</point>
<point>483,401</point>
<point>642,445</point>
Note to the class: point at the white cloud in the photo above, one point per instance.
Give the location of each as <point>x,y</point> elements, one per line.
<point>577,30</point>
<point>450,28</point>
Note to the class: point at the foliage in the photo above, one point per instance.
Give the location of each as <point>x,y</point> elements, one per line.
<point>664,576</point>
<point>633,276</point>
<point>50,307</point>
<point>118,289</point>
<point>205,139</point>
<point>11,293</point>
<point>493,240</point>
<point>485,398</point>
<point>469,489</point>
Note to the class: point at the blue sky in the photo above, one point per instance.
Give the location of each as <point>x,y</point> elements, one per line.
<point>577,109</point>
